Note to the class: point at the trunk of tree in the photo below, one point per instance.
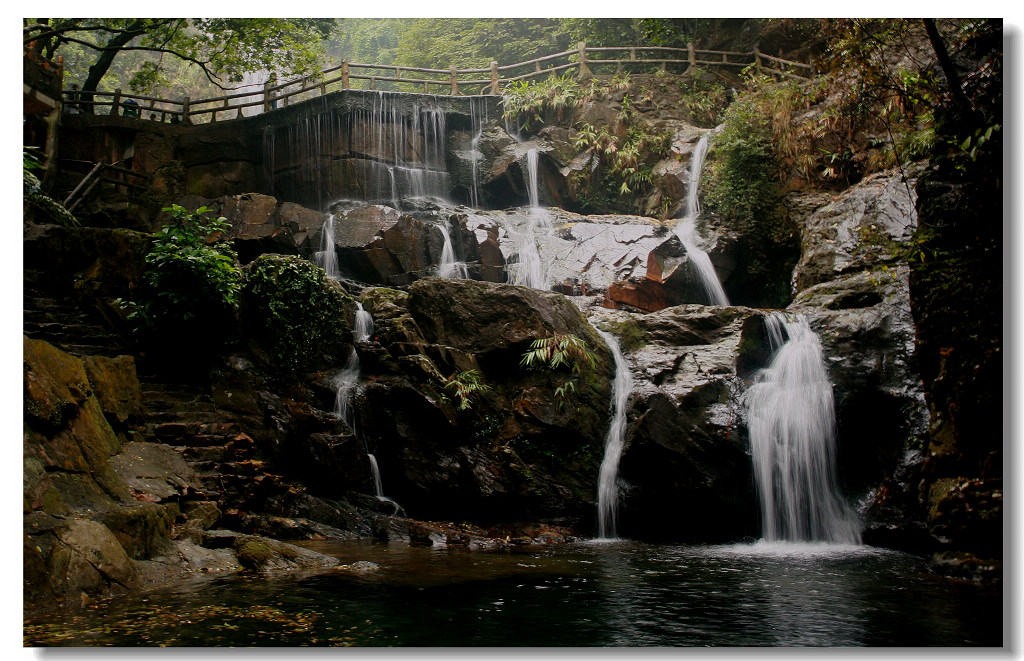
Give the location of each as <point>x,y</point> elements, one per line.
<point>106,58</point>
<point>948,68</point>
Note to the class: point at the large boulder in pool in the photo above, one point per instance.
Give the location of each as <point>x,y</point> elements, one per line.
<point>685,473</point>
<point>460,428</point>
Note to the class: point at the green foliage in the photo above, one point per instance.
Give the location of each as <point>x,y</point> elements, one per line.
<point>475,42</point>
<point>676,32</point>
<point>465,387</point>
<point>562,350</point>
<point>704,99</point>
<point>528,102</point>
<point>742,187</point>
<point>625,154</point>
<point>189,282</point>
<point>155,51</point>
<point>295,312</point>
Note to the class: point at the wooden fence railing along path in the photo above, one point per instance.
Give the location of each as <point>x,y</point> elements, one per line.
<point>586,60</point>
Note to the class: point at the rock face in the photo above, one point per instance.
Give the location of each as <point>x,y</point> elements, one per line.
<point>852,285</point>
<point>84,521</point>
<point>377,244</point>
<point>686,450</point>
<point>261,224</point>
<point>510,449</point>
<point>857,229</point>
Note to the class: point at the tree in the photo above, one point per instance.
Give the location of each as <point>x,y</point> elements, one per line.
<point>223,48</point>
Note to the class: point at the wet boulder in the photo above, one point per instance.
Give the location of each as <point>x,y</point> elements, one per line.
<point>860,228</point>
<point>686,445</point>
<point>462,430</point>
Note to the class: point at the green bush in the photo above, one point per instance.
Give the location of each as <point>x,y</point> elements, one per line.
<point>190,284</point>
<point>741,186</point>
<point>299,316</point>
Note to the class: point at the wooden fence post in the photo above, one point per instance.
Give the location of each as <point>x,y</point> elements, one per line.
<point>691,54</point>
<point>116,107</point>
<point>185,119</point>
<point>455,83</point>
<point>495,89</point>
<point>266,96</point>
<point>344,74</point>
<point>584,70</point>
<point>757,59</point>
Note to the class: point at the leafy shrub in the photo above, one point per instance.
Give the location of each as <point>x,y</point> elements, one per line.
<point>296,314</point>
<point>190,284</point>
<point>742,187</point>
<point>626,161</point>
<point>528,102</point>
<point>704,99</point>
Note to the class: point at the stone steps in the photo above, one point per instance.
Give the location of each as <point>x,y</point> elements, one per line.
<point>68,324</point>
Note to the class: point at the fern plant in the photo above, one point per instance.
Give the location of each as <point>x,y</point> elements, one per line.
<point>465,387</point>
<point>562,350</point>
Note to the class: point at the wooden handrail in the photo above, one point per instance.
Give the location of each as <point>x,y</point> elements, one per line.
<point>279,95</point>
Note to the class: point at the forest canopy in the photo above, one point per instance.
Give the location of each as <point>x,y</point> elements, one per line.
<point>204,56</point>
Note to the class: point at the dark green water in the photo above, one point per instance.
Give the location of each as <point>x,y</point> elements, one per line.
<point>610,594</point>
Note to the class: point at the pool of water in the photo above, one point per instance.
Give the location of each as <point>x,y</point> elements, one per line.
<point>612,593</point>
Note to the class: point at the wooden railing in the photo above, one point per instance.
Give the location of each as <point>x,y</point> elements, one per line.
<point>586,60</point>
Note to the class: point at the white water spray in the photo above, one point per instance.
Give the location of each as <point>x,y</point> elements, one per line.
<point>607,488</point>
<point>791,418</point>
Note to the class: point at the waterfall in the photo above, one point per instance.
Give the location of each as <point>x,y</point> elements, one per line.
<point>410,148</point>
<point>327,257</point>
<point>364,324</point>
<point>686,229</point>
<point>532,161</point>
<point>344,383</point>
<point>607,490</point>
<point>478,120</point>
<point>449,266</point>
<point>394,147</point>
<point>791,418</point>
<point>378,487</point>
<point>530,270</point>
<point>687,233</point>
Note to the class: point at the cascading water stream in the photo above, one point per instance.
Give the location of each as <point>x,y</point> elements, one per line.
<point>791,418</point>
<point>345,382</point>
<point>686,229</point>
<point>478,120</point>
<point>327,257</point>
<point>607,489</point>
<point>449,266</point>
<point>530,270</point>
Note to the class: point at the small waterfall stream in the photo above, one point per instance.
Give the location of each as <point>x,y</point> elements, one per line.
<point>791,418</point>
<point>345,382</point>
<point>686,229</point>
<point>530,270</point>
<point>449,267</point>
<point>607,489</point>
<point>478,120</point>
<point>327,257</point>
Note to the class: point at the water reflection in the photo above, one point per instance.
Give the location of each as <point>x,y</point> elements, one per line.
<point>596,594</point>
